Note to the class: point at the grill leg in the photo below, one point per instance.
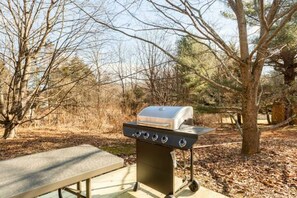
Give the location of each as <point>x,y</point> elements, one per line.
<point>194,184</point>
<point>192,166</point>
<point>136,186</point>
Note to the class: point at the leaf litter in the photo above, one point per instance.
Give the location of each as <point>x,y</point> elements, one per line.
<point>218,163</point>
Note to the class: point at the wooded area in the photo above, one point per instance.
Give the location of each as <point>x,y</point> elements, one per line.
<point>63,57</point>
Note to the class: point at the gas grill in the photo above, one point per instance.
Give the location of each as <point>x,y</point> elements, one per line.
<point>160,130</point>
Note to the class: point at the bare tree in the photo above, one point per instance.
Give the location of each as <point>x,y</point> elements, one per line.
<point>36,38</point>
<point>125,75</point>
<point>186,18</point>
<point>158,72</point>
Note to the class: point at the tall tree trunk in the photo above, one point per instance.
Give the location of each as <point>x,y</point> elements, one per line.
<point>288,108</point>
<point>251,135</point>
<point>10,130</point>
<point>289,75</point>
<point>288,57</point>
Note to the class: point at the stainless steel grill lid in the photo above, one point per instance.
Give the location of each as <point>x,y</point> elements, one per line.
<point>166,117</point>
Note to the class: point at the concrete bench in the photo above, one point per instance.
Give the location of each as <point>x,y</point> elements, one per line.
<point>37,174</point>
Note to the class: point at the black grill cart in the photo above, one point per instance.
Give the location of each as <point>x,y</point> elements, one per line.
<point>159,131</point>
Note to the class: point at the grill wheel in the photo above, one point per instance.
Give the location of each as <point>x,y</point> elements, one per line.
<point>194,186</point>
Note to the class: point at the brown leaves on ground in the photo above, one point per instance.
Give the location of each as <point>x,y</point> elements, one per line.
<point>34,140</point>
<point>271,173</point>
<point>218,163</point>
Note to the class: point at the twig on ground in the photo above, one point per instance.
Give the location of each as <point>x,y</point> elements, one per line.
<point>211,145</point>
<point>276,126</point>
<point>237,124</point>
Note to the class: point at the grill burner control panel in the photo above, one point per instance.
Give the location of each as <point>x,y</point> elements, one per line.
<point>161,138</point>
<point>181,138</point>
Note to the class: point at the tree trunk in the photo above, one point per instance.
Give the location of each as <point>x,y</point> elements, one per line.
<point>289,79</point>
<point>288,109</point>
<point>239,118</point>
<point>10,131</point>
<point>289,75</point>
<point>288,56</point>
<point>251,135</point>
<point>267,115</point>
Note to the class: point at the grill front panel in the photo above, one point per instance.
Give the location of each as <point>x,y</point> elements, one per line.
<point>168,138</point>
<point>160,175</point>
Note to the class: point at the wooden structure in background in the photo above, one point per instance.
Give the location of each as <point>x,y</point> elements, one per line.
<point>279,111</point>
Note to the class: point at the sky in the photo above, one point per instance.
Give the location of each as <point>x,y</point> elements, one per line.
<point>227,28</point>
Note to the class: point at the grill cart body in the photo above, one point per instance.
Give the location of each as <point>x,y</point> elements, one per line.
<point>160,130</point>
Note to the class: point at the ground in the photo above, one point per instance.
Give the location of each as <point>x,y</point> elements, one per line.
<point>218,163</point>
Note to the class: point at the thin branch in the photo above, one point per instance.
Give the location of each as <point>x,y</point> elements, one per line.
<point>279,125</point>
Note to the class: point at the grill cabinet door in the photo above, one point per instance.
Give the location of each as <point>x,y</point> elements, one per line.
<point>155,167</point>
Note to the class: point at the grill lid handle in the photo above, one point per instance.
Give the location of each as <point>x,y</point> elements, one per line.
<point>153,123</point>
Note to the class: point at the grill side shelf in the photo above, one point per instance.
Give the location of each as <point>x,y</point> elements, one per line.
<point>195,130</point>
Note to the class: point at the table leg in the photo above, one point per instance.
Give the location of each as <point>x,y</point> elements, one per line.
<point>60,193</point>
<point>88,188</point>
<point>78,187</point>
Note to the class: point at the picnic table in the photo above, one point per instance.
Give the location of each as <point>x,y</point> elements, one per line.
<point>33,175</point>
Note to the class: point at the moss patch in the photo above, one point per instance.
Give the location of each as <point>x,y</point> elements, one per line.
<point>126,149</point>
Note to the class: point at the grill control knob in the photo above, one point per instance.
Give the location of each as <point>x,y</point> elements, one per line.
<point>182,143</point>
<point>164,139</point>
<point>146,135</point>
<point>138,134</point>
<point>155,137</point>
